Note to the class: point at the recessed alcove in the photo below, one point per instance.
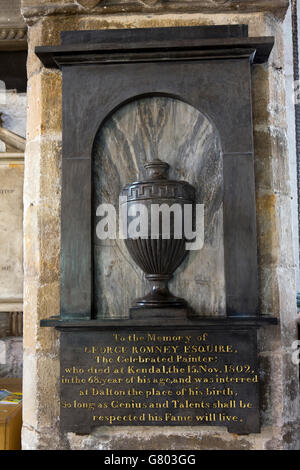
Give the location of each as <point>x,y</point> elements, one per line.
<point>177,133</point>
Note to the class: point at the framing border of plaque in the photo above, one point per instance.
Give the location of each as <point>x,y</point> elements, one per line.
<point>207,67</point>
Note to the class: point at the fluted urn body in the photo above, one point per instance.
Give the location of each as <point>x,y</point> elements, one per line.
<point>159,247</point>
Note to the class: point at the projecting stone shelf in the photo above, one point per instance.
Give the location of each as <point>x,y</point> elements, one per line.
<point>233,322</point>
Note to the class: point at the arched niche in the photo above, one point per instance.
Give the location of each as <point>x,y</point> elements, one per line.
<point>142,130</point>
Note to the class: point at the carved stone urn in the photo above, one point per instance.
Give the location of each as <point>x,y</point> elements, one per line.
<point>162,249</point>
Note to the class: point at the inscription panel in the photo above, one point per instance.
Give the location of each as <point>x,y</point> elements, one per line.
<point>159,378</point>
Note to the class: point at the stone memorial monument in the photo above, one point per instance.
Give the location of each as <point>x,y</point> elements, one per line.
<point>158,363</point>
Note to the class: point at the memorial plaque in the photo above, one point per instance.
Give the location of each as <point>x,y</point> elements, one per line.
<point>160,377</point>
<point>11,234</point>
<point>167,361</point>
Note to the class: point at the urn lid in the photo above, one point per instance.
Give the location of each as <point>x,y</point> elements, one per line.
<point>156,170</point>
<point>158,186</point>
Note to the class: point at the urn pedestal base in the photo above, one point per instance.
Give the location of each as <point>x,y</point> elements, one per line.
<point>159,296</point>
<point>165,314</point>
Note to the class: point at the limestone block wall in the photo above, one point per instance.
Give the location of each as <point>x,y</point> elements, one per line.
<point>275,180</point>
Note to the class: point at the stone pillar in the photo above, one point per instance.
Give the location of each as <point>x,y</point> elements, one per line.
<point>277,259</point>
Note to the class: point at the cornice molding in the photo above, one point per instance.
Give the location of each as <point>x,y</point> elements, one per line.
<point>32,10</point>
<point>8,33</point>
<point>11,158</point>
<point>13,38</point>
<point>257,50</point>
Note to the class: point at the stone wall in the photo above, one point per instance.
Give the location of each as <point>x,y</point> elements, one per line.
<point>274,180</point>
